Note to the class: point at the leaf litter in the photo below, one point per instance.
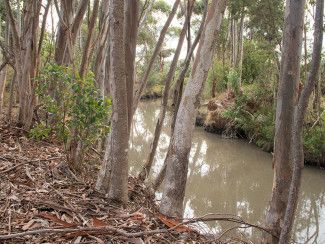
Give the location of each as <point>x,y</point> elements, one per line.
<point>43,201</point>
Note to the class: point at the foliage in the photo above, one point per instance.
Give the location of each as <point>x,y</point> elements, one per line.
<point>233,80</point>
<point>74,105</point>
<point>257,62</point>
<point>40,132</point>
<point>218,73</point>
<point>252,114</point>
<point>314,138</point>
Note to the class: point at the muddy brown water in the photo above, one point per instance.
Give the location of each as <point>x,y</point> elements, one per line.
<point>229,176</point>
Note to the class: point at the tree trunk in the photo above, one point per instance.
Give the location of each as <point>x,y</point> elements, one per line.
<point>177,161</point>
<point>26,56</point>
<point>102,46</point>
<point>131,33</point>
<point>177,96</point>
<point>117,147</point>
<point>241,48</point>
<point>3,78</point>
<point>147,167</point>
<point>156,51</point>
<point>68,29</point>
<point>287,98</point>
<point>299,115</point>
<point>89,42</point>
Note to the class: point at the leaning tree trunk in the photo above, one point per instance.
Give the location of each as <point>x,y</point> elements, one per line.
<point>299,114</point>
<point>101,48</point>
<point>68,29</point>
<point>156,51</point>
<point>89,42</point>
<point>177,161</point>
<point>147,167</point>
<point>286,100</point>
<point>131,32</point>
<point>178,91</point>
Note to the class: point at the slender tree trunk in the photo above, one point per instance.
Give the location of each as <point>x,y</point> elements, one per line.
<point>287,98</point>
<point>177,96</point>
<point>299,115</point>
<point>317,94</point>
<point>131,32</point>
<point>89,42</point>
<point>177,162</point>
<point>178,92</point>
<point>68,29</point>
<point>241,48</point>
<point>147,167</point>
<point>156,52</point>
<point>3,78</point>
<point>102,46</point>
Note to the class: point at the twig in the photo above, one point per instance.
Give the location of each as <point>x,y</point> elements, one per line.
<point>85,229</point>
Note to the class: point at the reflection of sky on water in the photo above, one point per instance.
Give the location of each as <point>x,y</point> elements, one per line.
<point>229,176</point>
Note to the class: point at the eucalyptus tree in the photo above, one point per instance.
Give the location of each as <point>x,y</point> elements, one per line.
<point>297,152</point>
<point>146,169</point>
<point>286,101</point>
<point>177,161</point>
<point>69,25</point>
<point>113,176</point>
<point>26,56</point>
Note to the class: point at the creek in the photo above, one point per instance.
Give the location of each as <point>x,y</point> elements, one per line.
<point>229,176</point>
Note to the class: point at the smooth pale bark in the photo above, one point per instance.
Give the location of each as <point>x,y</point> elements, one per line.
<point>241,47</point>
<point>286,101</point>
<point>89,42</point>
<point>156,51</point>
<point>178,91</point>
<point>147,167</point>
<point>297,132</point>
<point>177,161</point>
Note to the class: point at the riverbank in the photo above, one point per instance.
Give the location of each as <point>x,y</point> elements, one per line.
<point>44,201</point>
<point>240,117</point>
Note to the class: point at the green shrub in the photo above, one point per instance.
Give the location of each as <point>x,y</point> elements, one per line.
<point>314,138</point>
<point>74,106</point>
<point>40,132</point>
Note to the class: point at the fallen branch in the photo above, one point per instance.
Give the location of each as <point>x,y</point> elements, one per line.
<point>28,162</point>
<point>121,232</point>
<point>85,229</point>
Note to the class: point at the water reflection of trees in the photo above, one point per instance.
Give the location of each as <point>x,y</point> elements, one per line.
<point>239,182</point>
<point>229,176</point>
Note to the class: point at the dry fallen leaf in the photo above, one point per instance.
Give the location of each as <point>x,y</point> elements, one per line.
<point>172,223</point>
